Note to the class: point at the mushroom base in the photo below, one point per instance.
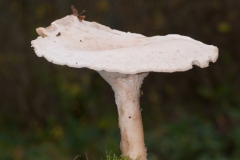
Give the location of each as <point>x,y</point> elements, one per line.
<point>127,93</point>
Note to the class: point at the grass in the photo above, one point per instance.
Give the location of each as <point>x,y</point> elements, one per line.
<point>109,156</point>
<point>114,157</point>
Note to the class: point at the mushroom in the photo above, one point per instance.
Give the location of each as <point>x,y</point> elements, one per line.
<point>123,60</point>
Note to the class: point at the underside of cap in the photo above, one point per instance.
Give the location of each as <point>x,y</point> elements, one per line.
<point>79,44</point>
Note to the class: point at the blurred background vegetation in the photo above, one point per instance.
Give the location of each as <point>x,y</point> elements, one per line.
<point>55,112</point>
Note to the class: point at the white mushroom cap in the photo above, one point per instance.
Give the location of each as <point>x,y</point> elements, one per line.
<point>78,44</point>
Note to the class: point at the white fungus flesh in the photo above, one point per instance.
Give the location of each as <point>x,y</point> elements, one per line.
<point>92,45</point>
<point>123,60</point>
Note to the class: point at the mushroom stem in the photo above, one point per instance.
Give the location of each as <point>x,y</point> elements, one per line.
<point>127,93</point>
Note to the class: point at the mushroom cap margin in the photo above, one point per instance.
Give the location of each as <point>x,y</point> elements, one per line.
<point>95,46</point>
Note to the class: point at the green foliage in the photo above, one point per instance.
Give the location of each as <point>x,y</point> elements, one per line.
<point>110,156</point>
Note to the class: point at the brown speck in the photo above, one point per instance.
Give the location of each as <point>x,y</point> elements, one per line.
<point>75,13</point>
<point>80,40</point>
<point>129,117</point>
<point>58,34</point>
<point>81,17</point>
<point>74,10</point>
